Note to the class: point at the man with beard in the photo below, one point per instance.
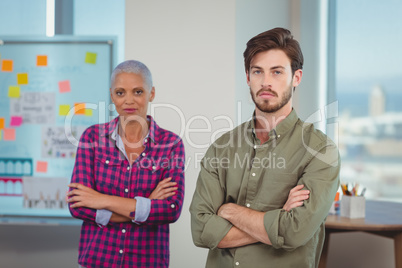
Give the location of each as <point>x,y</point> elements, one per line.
<point>247,210</point>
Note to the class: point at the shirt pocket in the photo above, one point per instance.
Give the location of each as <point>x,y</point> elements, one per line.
<point>274,190</point>
<point>149,175</point>
<point>108,171</point>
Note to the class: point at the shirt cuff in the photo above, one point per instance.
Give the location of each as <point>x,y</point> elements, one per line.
<point>103,217</point>
<point>142,209</point>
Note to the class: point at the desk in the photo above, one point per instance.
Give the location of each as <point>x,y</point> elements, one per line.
<point>382,218</point>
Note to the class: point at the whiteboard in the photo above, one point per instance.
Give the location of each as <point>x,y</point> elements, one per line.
<point>51,89</point>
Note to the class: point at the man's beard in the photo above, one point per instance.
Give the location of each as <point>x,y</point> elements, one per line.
<point>265,107</point>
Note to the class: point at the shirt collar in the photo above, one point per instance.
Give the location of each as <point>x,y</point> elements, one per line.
<point>281,129</point>
<point>111,129</point>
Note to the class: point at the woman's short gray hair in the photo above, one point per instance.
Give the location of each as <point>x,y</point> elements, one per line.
<point>135,67</point>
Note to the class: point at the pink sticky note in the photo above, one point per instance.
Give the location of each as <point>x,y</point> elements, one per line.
<point>9,134</point>
<point>64,86</point>
<point>16,121</point>
<point>41,166</point>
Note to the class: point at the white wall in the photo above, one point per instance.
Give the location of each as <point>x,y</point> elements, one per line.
<point>189,47</point>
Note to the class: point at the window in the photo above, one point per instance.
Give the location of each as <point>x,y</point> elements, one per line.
<point>368,77</point>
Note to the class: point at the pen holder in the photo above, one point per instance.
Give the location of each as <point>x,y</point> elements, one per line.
<point>353,207</point>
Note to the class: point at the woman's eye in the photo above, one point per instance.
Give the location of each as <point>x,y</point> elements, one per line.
<point>119,93</point>
<point>138,92</point>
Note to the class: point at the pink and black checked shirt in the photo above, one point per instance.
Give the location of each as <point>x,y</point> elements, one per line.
<point>101,165</point>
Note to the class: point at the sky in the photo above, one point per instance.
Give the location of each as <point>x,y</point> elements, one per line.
<point>369,38</point>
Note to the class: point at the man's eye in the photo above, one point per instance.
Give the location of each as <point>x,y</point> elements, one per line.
<point>277,72</point>
<point>138,92</point>
<point>119,93</point>
<point>257,72</point>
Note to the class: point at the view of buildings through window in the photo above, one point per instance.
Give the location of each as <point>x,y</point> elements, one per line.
<point>369,90</point>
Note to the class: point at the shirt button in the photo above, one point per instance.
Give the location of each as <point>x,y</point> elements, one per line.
<point>146,140</point>
<point>153,167</point>
<point>237,263</point>
<point>255,146</point>
<point>143,154</point>
<point>123,231</point>
<point>107,161</point>
<point>248,205</point>
<point>253,174</point>
<point>121,251</point>
<point>128,168</point>
<point>172,206</point>
<point>126,190</point>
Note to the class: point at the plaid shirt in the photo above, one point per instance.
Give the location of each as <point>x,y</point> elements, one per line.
<point>101,165</point>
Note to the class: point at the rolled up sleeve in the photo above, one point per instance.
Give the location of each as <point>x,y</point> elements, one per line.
<point>207,228</point>
<point>290,230</point>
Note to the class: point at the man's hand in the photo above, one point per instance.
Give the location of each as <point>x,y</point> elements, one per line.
<point>296,197</point>
<point>83,196</point>
<point>164,189</point>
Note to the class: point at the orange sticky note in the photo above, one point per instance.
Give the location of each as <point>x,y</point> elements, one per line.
<point>2,122</point>
<point>79,108</point>
<point>22,79</point>
<point>6,65</point>
<point>64,86</point>
<point>90,58</point>
<point>64,109</point>
<point>13,91</point>
<point>9,134</point>
<point>41,60</point>
<point>41,166</point>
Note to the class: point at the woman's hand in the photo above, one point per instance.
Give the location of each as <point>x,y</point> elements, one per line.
<point>164,189</point>
<point>83,196</point>
<point>296,197</point>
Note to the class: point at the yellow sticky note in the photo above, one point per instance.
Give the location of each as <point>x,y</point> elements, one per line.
<point>22,79</point>
<point>41,60</point>
<point>41,166</point>
<point>6,65</point>
<point>13,91</point>
<point>2,123</point>
<point>88,112</point>
<point>79,108</point>
<point>64,109</point>
<point>90,58</point>
<point>9,134</point>
<point>0,135</point>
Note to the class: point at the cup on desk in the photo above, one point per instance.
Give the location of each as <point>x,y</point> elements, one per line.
<point>353,207</point>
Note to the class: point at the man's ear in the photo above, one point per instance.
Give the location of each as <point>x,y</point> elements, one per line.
<point>248,77</point>
<point>297,77</point>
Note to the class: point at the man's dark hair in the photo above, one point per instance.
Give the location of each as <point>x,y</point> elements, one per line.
<point>277,38</point>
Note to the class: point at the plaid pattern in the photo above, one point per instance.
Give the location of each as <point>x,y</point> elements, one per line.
<point>99,164</point>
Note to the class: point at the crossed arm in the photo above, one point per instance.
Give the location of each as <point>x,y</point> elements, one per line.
<point>83,196</point>
<point>248,224</point>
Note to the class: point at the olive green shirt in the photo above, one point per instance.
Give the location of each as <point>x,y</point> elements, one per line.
<point>238,169</point>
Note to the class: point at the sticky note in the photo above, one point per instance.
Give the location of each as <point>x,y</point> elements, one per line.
<point>79,108</point>
<point>0,134</point>
<point>88,112</point>
<point>6,65</point>
<point>22,79</point>
<point>41,166</point>
<point>64,86</point>
<point>2,122</point>
<point>14,91</point>
<point>41,60</point>
<point>16,121</point>
<point>90,58</point>
<point>9,134</point>
<point>64,109</point>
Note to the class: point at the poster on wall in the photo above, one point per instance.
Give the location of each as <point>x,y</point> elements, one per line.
<point>58,142</point>
<point>34,107</point>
